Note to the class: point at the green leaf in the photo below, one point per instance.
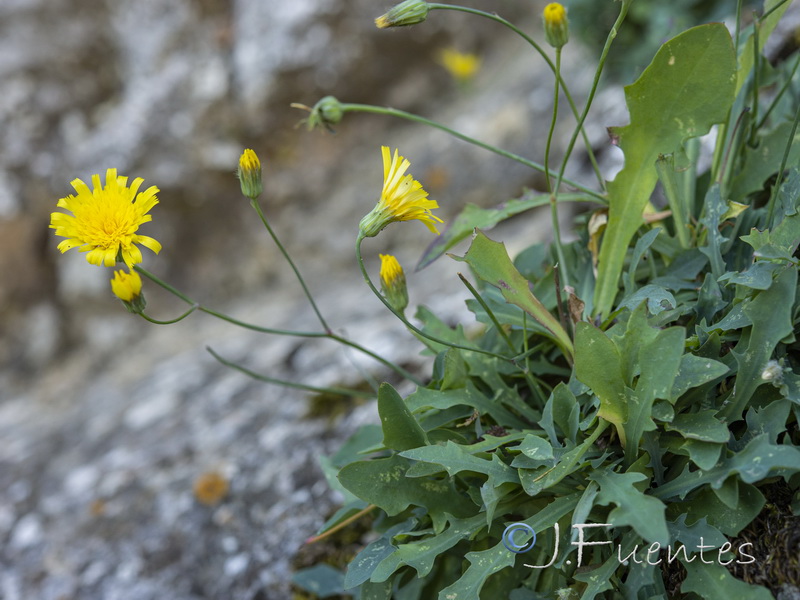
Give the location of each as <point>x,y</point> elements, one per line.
<point>658,299</point>
<point>383,482</point>
<point>715,582</point>
<point>771,314</point>
<point>454,459</point>
<point>695,535</point>
<point>758,459</point>
<point>702,426</point>
<point>598,365</point>
<point>730,521</point>
<point>400,429</point>
<point>644,513</point>
<point>421,554</point>
<point>472,217</point>
<point>485,563</point>
<point>468,396</point>
<point>322,580</point>
<point>599,580</point>
<point>764,160</point>
<point>376,591</point>
<point>687,88</point>
<point>693,372</point>
<point>491,263</point>
<point>659,359</point>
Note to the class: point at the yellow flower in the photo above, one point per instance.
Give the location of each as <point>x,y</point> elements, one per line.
<point>250,174</point>
<point>462,66</point>
<point>126,286</point>
<point>556,24</point>
<point>393,282</point>
<point>104,221</point>
<point>402,199</point>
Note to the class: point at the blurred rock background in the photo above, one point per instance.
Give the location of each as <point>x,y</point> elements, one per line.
<point>109,423</point>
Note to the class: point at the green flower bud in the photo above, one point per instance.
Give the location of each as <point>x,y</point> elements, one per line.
<point>556,24</point>
<point>393,282</point>
<point>409,12</point>
<point>326,112</point>
<point>249,174</point>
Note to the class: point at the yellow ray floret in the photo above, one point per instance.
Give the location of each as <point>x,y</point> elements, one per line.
<point>105,219</point>
<point>402,198</point>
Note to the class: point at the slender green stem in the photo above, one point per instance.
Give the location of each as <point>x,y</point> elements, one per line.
<point>380,110</point>
<point>543,54</point>
<point>554,191</point>
<point>339,526</point>
<point>772,10</point>
<point>756,84</point>
<point>738,29</point>
<point>773,197</point>
<point>171,321</point>
<point>254,203</point>
<point>270,330</point>
<point>405,321</point>
<point>595,82</point>
<point>779,95</point>
<point>290,384</point>
<point>489,312</point>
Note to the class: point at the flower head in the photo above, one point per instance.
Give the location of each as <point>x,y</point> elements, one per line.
<point>249,174</point>
<point>128,288</point>
<point>325,113</point>
<point>393,282</point>
<point>104,220</point>
<point>556,24</point>
<point>409,12</point>
<point>402,199</point>
<point>462,66</point>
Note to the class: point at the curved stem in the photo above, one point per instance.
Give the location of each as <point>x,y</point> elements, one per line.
<point>171,321</point>
<point>380,110</point>
<point>254,203</point>
<point>603,56</point>
<point>405,321</point>
<point>554,191</point>
<point>301,334</point>
<point>543,54</point>
<point>290,384</point>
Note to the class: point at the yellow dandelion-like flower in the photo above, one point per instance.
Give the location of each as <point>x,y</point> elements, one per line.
<point>393,282</point>
<point>462,66</point>
<point>402,199</point>
<point>104,220</point>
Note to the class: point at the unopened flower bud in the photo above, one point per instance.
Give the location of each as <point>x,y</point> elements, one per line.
<point>325,113</point>
<point>556,24</point>
<point>393,282</point>
<point>128,288</point>
<point>249,174</point>
<point>409,12</point>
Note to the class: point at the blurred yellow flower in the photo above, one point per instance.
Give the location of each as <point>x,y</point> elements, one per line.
<point>402,199</point>
<point>104,221</point>
<point>393,282</point>
<point>126,286</point>
<point>462,66</point>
